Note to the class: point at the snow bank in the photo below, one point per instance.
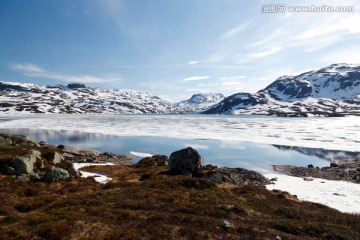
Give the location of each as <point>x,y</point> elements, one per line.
<point>341,195</point>
<point>97,176</point>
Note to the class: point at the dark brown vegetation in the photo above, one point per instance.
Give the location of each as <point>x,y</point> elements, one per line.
<point>161,206</point>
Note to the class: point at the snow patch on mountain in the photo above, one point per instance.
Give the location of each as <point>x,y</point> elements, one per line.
<point>31,98</point>
<point>330,91</point>
<point>198,102</point>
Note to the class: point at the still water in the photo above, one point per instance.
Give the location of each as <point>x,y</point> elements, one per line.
<point>254,156</point>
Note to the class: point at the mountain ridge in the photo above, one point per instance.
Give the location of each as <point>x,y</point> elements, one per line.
<point>77,98</point>
<point>331,91</point>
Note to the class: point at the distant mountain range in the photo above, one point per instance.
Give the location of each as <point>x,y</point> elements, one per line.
<point>330,91</point>
<point>198,102</point>
<point>77,98</point>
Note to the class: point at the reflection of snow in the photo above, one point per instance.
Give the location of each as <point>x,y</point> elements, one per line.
<point>327,133</point>
<point>341,195</point>
<point>196,146</point>
<point>98,177</point>
<point>140,154</point>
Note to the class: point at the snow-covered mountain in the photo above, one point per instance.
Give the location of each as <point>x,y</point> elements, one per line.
<point>330,91</point>
<point>198,102</point>
<point>76,98</point>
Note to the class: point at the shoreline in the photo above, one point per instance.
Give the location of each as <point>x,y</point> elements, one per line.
<point>151,198</point>
<point>341,199</point>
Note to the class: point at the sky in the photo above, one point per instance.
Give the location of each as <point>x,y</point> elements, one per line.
<point>172,48</point>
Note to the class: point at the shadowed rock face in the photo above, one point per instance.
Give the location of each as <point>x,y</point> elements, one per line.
<point>330,91</point>
<point>56,174</point>
<point>187,162</point>
<point>235,176</point>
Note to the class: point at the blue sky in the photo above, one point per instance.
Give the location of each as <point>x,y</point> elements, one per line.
<point>171,48</point>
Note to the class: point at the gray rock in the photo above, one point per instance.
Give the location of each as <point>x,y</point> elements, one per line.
<point>5,141</point>
<point>34,177</point>
<point>334,164</point>
<point>6,169</point>
<point>24,177</point>
<point>58,158</point>
<point>226,224</point>
<point>235,176</point>
<point>308,179</point>
<point>186,160</point>
<point>73,172</point>
<point>24,164</point>
<point>153,161</point>
<point>56,174</point>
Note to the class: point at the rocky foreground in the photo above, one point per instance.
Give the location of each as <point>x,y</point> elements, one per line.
<point>345,170</point>
<point>160,197</point>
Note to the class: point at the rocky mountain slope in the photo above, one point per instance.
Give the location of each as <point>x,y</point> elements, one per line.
<point>330,91</point>
<point>197,102</point>
<point>77,98</point>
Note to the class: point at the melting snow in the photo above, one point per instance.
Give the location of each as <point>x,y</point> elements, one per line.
<point>101,178</point>
<point>341,195</point>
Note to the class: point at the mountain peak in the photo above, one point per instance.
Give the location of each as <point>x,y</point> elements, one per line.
<point>330,91</point>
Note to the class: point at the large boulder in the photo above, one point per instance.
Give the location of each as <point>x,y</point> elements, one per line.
<point>24,164</point>
<point>186,162</point>
<point>55,157</point>
<point>235,176</point>
<point>7,139</point>
<point>153,161</point>
<point>56,174</point>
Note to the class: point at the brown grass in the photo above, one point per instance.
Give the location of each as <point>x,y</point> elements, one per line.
<point>161,207</point>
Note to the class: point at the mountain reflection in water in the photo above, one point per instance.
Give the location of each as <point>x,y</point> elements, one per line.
<point>258,157</point>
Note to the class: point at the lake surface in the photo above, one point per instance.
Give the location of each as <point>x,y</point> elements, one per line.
<point>235,141</point>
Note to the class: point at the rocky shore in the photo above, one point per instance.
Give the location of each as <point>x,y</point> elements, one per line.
<point>345,170</point>
<point>159,197</point>
<point>23,158</point>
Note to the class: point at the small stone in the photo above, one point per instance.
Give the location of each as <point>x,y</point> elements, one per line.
<point>24,177</point>
<point>310,166</point>
<point>334,165</point>
<point>273,179</point>
<point>72,171</point>
<point>308,179</point>
<point>226,225</point>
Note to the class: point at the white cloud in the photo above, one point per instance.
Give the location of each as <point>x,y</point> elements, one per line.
<point>32,70</point>
<point>196,90</point>
<point>264,53</point>
<point>232,32</point>
<point>196,78</point>
<point>349,24</point>
<point>27,67</point>
<point>232,78</point>
<point>193,62</point>
<point>347,55</point>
